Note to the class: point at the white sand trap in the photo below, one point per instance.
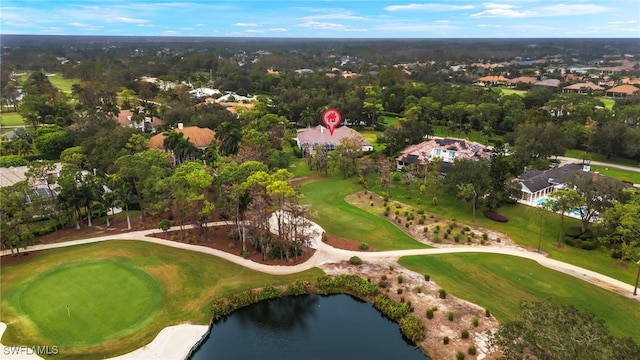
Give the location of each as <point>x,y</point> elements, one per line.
<point>16,352</point>
<point>173,342</point>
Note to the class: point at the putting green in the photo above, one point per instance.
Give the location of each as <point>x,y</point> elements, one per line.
<point>107,299</point>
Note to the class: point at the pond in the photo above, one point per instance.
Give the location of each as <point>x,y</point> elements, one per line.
<point>307,327</point>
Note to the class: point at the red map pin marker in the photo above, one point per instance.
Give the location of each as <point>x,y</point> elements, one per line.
<point>331,118</point>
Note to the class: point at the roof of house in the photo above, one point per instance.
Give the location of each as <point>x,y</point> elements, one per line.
<point>524,79</point>
<point>420,152</point>
<point>124,118</point>
<point>494,78</point>
<point>624,89</point>
<point>200,137</point>
<point>11,175</point>
<point>536,180</point>
<point>320,135</point>
<point>585,85</point>
<point>549,82</point>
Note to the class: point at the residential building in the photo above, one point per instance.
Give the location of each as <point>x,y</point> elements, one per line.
<point>145,124</point>
<point>622,91</point>
<point>307,139</point>
<point>200,137</point>
<point>448,149</point>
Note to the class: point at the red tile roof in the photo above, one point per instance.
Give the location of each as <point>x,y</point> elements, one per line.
<point>624,89</point>
<point>200,137</point>
<point>586,85</point>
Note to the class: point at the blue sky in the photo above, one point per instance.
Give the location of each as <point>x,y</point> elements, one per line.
<point>325,19</point>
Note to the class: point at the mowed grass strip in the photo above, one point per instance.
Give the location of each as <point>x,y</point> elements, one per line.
<point>620,174</point>
<point>342,219</point>
<point>11,119</point>
<point>500,282</point>
<point>187,283</point>
<point>523,227</point>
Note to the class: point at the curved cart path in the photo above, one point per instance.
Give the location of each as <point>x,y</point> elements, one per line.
<point>327,254</point>
<point>174,342</point>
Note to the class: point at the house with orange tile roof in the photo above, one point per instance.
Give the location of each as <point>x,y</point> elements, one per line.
<point>523,80</point>
<point>621,91</point>
<point>200,137</point>
<point>491,80</point>
<point>583,88</point>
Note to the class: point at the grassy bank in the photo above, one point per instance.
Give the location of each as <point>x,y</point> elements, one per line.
<point>342,219</point>
<point>499,283</point>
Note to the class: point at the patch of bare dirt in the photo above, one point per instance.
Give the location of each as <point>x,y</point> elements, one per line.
<point>424,295</point>
<point>217,238</point>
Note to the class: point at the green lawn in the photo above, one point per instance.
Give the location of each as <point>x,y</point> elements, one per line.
<point>608,102</point>
<point>508,91</point>
<point>372,138</point>
<point>94,291</point>
<point>579,154</point>
<point>11,119</point>
<point>523,227</point>
<point>61,83</point>
<point>57,80</point>
<point>342,219</point>
<point>108,273</point>
<point>633,176</point>
<point>499,283</point>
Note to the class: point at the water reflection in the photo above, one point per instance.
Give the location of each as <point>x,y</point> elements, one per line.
<point>307,327</point>
<point>285,314</point>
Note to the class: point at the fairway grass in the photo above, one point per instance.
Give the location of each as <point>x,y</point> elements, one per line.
<point>183,285</point>
<point>500,282</point>
<point>11,119</point>
<point>337,217</point>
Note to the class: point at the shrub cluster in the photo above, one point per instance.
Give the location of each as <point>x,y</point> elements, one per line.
<point>355,260</point>
<point>412,328</point>
<point>390,308</point>
<point>345,283</point>
<point>490,214</point>
<point>297,288</point>
<point>224,306</point>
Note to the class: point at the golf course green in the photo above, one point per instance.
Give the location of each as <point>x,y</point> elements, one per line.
<point>90,302</point>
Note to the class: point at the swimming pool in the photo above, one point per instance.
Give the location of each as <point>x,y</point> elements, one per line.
<point>574,212</point>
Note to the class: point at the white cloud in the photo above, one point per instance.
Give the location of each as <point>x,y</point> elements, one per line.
<point>428,7</point>
<point>416,28</point>
<point>123,19</point>
<point>322,25</point>
<point>513,11</point>
<point>84,26</point>
<point>502,10</point>
<point>245,24</point>
<point>573,9</point>
<point>334,16</point>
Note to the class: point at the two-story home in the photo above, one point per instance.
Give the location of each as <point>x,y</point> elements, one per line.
<point>448,149</point>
